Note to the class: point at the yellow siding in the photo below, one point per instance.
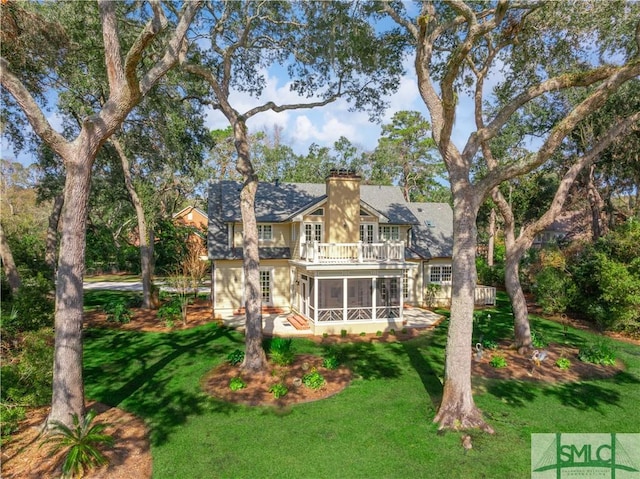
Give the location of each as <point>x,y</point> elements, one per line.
<point>230,283</point>
<point>281,236</point>
<point>229,278</point>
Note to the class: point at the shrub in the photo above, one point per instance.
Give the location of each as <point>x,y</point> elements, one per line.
<point>11,415</point>
<point>81,442</point>
<point>26,377</point>
<point>607,275</point>
<point>563,363</point>
<point>170,311</point>
<point>343,333</point>
<point>236,357</point>
<point>313,379</point>
<point>600,352</point>
<point>117,310</point>
<point>278,390</point>
<point>489,344</point>
<point>33,304</point>
<point>554,290</point>
<point>537,340</point>
<point>235,384</point>
<point>281,350</point>
<point>498,361</point>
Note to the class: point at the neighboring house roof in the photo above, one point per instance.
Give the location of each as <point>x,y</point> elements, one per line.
<point>280,202</point>
<point>186,210</point>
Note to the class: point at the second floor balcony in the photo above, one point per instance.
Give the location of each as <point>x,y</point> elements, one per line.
<point>316,252</point>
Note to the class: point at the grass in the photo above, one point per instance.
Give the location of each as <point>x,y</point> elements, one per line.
<point>380,426</point>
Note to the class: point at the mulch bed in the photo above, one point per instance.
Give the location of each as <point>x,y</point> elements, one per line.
<point>216,383</point>
<point>522,367</point>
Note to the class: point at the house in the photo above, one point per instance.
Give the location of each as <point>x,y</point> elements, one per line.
<point>341,255</point>
<point>197,221</point>
<point>191,216</point>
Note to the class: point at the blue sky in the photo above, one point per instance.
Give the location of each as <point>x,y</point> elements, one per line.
<point>324,125</point>
<point>327,124</point>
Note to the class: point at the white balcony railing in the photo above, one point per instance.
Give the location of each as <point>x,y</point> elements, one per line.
<point>315,252</point>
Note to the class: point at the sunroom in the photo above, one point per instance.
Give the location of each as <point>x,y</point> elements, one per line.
<point>355,300</point>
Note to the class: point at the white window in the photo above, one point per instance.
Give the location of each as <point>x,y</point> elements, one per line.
<point>366,232</point>
<point>265,232</point>
<point>439,274</point>
<point>265,286</point>
<point>389,233</point>
<point>313,232</point>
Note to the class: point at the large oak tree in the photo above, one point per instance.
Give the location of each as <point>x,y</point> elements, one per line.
<point>458,46</point>
<point>130,76</point>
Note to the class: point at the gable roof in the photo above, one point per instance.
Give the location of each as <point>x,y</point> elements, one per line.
<point>432,237</point>
<point>281,202</point>
<point>278,202</point>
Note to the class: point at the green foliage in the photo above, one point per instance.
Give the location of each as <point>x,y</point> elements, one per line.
<point>343,333</point>
<point>490,275</point>
<point>27,371</point>
<point>538,340</point>
<point>554,290</point>
<point>235,357</point>
<point>607,276</point>
<point>118,310</point>
<point>170,311</point>
<point>331,358</point>
<point>33,304</point>
<point>235,384</point>
<point>599,352</point>
<point>498,361</point>
<point>488,343</point>
<point>10,416</point>
<point>281,351</point>
<point>278,390</point>
<point>563,363</point>
<point>81,442</point>
<point>432,290</point>
<point>171,246</point>
<point>313,379</point>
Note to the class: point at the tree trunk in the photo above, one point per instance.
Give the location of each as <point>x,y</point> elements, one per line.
<point>255,358</point>
<point>146,247</point>
<point>522,328</point>
<point>458,410</point>
<point>68,386</point>
<point>51,253</point>
<point>596,205</point>
<point>13,277</point>
<point>492,237</point>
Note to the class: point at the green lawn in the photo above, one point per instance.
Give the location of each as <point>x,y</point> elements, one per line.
<point>380,426</point>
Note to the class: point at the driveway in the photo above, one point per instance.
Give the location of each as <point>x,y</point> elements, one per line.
<point>129,286</point>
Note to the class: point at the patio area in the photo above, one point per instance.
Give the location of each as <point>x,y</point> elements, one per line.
<point>279,325</point>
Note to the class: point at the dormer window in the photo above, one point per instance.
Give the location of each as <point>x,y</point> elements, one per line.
<point>318,212</point>
<point>364,213</point>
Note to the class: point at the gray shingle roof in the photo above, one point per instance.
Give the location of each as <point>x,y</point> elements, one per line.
<point>280,202</point>
<point>432,237</point>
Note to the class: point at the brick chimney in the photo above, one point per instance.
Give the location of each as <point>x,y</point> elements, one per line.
<point>343,207</point>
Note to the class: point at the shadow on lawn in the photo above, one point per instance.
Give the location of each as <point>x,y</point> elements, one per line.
<point>368,361</point>
<point>140,371</point>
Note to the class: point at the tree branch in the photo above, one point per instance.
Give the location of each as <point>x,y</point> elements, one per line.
<point>113,60</point>
<point>150,31</point>
<point>32,110</point>
<point>557,83</point>
<point>175,48</point>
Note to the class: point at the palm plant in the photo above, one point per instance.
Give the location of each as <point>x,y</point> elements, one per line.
<point>81,442</point>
